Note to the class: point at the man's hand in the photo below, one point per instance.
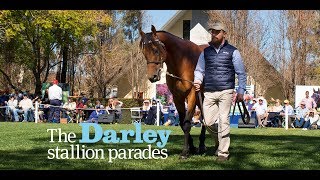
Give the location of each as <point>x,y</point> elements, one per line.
<point>239,97</point>
<point>197,85</point>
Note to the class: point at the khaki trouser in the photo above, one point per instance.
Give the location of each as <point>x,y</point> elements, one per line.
<point>262,118</point>
<point>216,109</point>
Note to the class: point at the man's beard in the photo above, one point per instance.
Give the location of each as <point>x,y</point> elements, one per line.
<point>216,42</point>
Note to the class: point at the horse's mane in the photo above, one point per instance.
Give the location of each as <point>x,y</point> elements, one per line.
<point>172,36</point>
<point>186,47</point>
<point>188,42</point>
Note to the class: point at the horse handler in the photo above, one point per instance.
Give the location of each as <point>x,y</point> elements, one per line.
<point>216,69</point>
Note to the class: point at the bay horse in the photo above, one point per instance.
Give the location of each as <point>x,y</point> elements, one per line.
<point>181,57</point>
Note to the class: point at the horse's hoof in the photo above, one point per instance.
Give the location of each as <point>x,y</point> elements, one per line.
<point>202,150</point>
<point>193,150</point>
<point>183,157</point>
<point>184,154</point>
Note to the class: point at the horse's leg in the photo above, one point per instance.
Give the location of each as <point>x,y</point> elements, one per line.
<point>188,118</point>
<point>179,102</point>
<point>202,137</point>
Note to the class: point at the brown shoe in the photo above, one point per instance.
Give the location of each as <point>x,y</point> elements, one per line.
<point>221,159</point>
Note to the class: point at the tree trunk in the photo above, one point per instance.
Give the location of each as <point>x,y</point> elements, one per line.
<point>73,72</point>
<point>38,84</point>
<point>63,75</point>
<point>132,75</point>
<point>104,91</point>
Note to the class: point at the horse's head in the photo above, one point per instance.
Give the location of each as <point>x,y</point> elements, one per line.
<point>155,53</point>
<point>316,95</point>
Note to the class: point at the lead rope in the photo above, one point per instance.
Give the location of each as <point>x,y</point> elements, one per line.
<point>201,106</point>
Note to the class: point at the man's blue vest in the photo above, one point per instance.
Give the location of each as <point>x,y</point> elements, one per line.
<point>219,69</point>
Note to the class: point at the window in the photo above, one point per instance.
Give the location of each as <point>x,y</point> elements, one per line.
<point>186,29</point>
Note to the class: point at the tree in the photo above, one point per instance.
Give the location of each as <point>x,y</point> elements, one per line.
<point>106,65</point>
<point>302,43</point>
<point>38,34</point>
<point>132,20</point>
<point>77,28</point>
<point>247,33</point>
<point>33,43</point>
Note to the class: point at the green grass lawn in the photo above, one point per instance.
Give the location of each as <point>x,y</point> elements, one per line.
<point>25,146</point>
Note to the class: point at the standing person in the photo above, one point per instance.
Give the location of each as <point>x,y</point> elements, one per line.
<point>310,103</point>
<point>55,97</point>
<point>216,69</point>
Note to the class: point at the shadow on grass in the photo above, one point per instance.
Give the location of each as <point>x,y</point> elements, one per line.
<point>247,151</point>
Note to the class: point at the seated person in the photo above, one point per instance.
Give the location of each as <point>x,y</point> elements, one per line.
<point>41,116</point>
<point>145,109</point>
<point>302,112</point>
<point>152,114</point>
<point>110,105</point>
<point>90,108</point>
<point>289,107</point>
<point>98,103</point>
<point>118,105</point>
<point>69,110</point>
<point>172,112</point>
<point>26,108</point>
<point>79,110</point>
<point>45,105</point>
<point>312,119</point>
<point>93,118</point>
<point>290,112</point>
<point>274,113</point>
<point>11,109</point>
<point>261,113</point>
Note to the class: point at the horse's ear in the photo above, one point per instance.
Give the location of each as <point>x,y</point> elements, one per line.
<point>153,29</point>
<point>142,34</point>
<point>314,90</point>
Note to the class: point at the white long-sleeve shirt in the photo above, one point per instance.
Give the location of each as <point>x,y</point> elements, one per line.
<point>13,104</point>
<point>55,92</point>
<point>26,104</point>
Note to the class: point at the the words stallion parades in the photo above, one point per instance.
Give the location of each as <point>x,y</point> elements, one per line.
<point>80,151</point>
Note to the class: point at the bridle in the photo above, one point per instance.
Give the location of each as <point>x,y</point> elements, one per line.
<point>161,58</point>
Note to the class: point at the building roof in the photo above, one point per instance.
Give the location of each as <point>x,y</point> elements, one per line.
<point>172,21</point>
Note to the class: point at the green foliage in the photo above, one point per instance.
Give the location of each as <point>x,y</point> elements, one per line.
<point>128,103</point>
<point>37,34</point>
